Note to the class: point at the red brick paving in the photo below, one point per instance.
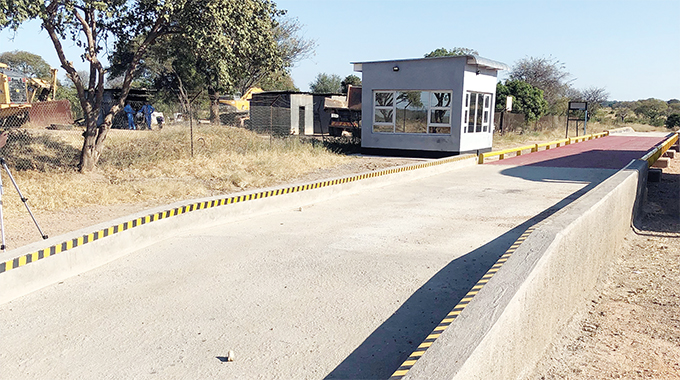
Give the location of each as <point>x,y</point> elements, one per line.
<point>611,152</point>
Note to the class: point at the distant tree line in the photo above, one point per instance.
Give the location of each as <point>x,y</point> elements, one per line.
<point>542,86</point>
<point>333,83</point>
<point>651,111</point>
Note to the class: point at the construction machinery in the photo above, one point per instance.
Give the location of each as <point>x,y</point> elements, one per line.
<point>240,102</point>
<point>345,113</point>
<point>13,98</point>
<point>235,109</point>
<point>18,92</point>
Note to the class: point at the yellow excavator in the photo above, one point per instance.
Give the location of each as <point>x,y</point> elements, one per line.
<point>240,103</point>
<point>234,109</point>
<point>17,92</point>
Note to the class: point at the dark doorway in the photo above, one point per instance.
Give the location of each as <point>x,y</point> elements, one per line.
<point>301,121</point>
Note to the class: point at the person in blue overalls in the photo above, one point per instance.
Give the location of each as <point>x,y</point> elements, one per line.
<point>147,110</point>
<point>130,116</point>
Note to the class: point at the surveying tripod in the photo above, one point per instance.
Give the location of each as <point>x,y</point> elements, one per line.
<point>23,199</point>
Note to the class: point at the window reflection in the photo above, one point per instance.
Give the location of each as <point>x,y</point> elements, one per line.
<point>383,115</point>
<point>412,112</point>
<point>441,99</point>
<point>384,98</point>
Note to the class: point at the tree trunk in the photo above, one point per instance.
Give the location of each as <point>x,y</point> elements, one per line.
<point>89,155</point>
<point>214,106</point>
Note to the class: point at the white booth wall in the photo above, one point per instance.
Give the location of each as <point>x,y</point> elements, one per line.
<point>484,82</point>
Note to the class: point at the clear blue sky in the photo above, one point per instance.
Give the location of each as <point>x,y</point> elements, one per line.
<point>631,48</point>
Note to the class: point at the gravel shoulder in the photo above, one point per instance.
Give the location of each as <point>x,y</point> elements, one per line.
<point>630,328</point>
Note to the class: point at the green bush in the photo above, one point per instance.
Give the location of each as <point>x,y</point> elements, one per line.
<point>673,121</point>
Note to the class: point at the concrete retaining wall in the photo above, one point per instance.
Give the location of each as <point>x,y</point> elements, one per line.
<point>32,276</point>
<point>507,327</point>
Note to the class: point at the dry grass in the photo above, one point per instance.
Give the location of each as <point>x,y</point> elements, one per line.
<point>511,140</point>
<point>154,167</point>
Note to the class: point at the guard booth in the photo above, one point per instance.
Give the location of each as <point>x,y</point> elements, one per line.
<point>429,106</point>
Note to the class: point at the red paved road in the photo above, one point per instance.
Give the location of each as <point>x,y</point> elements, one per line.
<point>611,152</point>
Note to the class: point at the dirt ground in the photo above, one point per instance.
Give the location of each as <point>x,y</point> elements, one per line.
<point>630,328</point>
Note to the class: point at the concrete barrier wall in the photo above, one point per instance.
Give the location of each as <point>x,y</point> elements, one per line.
<point>620,130</point>
<point>509,324</point>
<point>70,261</point>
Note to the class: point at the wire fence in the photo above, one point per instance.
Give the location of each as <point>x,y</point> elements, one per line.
<point>45,137</point>
<point>271,114</point>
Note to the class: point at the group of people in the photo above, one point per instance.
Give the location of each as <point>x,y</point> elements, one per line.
<point>147,110</point>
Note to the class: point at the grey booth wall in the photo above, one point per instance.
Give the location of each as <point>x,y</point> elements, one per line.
<point>431,74</point>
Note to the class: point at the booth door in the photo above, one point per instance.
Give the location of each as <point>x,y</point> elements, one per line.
<point>301,121</point>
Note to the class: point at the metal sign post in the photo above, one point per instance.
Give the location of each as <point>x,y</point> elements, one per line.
<point>575,107</point>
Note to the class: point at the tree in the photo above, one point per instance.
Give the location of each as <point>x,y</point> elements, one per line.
<point>242,46</point>
<point>170,67</point>
<point>89,23</point>
<point>442,52</point>
<point>527,99</point>
<point>673,106</point>
<point>292,48</point>
<point>595,96</point>
<point>217,29</point>
<point>652,110</point>
<point>326,84</point>
<point>260,57</point>
<point>280,81</point>
<point>352,80</point>
<point>622,113</point>
<point>547,74</point>
<point>673,121</point>
<point>30,64</point>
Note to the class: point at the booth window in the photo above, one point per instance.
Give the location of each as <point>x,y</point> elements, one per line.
<point>383,112</point>
<point>477,113</point>
<point>419,112</point>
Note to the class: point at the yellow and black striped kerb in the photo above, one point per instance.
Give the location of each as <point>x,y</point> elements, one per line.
<point>653,155</point>
<point>448,320</point>
<point>57,248</point>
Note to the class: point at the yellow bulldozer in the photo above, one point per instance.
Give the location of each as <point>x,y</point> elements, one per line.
<point>18,91</point>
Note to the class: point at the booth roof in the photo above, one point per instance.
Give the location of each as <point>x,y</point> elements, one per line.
<point>471,60</point>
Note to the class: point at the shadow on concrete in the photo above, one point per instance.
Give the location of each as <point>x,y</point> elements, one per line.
<point>392,342</point>
<point>590,177</point>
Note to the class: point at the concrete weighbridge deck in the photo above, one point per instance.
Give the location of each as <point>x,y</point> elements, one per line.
<point>344,288</point>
